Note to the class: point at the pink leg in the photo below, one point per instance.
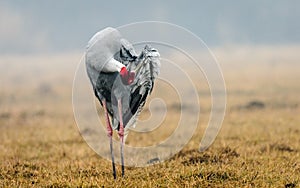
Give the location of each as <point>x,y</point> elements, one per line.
<point>121,134</point>
<point>109,134</point>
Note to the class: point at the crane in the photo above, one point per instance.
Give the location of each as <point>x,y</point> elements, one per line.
<point>121,80</point>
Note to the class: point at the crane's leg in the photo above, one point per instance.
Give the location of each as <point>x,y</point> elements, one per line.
<point>121,134</point>
<point>109,134</point>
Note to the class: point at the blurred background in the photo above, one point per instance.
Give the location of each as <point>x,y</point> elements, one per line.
<point>256,43</point>
<point>41,43</point>
<point>36,27</point>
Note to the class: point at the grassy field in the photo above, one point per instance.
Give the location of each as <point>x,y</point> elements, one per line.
<point>258,145</point>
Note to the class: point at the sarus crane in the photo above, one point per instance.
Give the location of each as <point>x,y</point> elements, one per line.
<point>121,80</point>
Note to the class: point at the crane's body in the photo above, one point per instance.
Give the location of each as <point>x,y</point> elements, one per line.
<point>107,55</point>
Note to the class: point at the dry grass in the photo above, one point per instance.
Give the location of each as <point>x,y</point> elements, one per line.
<point>258,146</point>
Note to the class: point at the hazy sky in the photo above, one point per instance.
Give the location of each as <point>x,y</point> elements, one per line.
<point>36,26</point>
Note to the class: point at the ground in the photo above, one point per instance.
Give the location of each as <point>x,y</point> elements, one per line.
<point>258,145</point>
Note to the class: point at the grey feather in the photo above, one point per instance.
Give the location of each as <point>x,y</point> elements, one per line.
<point>109,43</point>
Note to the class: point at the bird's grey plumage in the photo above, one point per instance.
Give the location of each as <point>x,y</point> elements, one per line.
<point>108,44</point>
<point>144,81</point>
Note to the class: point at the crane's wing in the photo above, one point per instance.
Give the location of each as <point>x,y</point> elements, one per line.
<point>143,84</point>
